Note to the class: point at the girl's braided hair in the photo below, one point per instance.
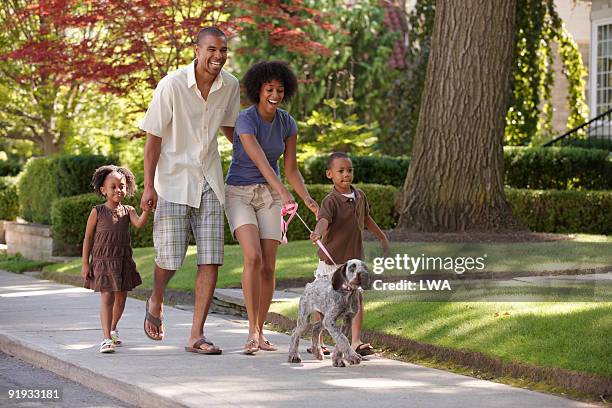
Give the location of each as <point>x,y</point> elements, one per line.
<point>97,181</point>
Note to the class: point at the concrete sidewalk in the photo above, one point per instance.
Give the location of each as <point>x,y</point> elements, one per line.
<point>56,327</point>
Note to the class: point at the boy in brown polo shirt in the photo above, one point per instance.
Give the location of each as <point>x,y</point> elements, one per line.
<point>343,215</point>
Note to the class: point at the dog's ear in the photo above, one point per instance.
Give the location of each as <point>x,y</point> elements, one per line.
<point>339,277</point>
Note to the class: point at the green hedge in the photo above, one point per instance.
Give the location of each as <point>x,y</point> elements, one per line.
<point>69,218</point>
<point>385,170</point>
<point>9,204</point>
<point>590,143</point>
<point>563,211</point>
<point>543,211</point>
<point>44,179</point>
<point>561,168</point>
<point>37,189</point>
<point>69,215</point>
<point>9,168</point>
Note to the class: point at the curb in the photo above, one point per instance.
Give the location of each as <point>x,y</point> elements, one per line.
<point>127,393</point>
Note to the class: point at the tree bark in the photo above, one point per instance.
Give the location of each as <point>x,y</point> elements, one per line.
<point>455,180</point>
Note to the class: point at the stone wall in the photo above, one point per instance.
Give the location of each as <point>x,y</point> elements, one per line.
<point>33,241</point>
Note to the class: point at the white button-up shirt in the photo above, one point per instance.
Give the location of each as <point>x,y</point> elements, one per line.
<point>189,126</point>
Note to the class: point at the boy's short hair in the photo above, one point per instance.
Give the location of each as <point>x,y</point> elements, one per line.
<point>334,156</point>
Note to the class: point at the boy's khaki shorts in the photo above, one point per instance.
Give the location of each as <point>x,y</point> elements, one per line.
<point>256,204</point>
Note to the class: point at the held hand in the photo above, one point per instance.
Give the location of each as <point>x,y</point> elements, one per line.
<point>148,202</point>
<point>312,206</point>
<point>286,197</point>
<point>314,237</point>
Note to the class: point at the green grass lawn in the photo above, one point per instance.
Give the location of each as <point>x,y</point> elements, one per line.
<point>298,259</point>
<point>19,264</point>
<point>572,336</point>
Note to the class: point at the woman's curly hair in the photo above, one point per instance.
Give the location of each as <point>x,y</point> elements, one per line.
<point>267,71</point>
<point>97,181</point>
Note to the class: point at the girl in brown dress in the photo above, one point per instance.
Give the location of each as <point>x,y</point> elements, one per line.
<point>111,269</point>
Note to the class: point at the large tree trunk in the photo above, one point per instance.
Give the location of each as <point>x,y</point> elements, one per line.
<point>455,181</point>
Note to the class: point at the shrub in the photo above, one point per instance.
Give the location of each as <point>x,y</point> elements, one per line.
<point>75,171</point>
<point>563,211</point>
<point>385,170</point>
<point>37,189</point>
<point>44,179</point>
<point>590,143</point>
<point>9,168</point>
<point>9,204</point>
<point>69,215</point>
<point>562,168</point>
<point>69,218</point>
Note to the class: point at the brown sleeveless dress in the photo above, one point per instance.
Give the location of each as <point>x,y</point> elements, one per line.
<point>112,265</point>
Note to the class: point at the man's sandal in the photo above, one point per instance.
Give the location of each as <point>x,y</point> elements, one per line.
<point>267,345</point>
<point>107,346</point>
<point>195,348</point>
<point>115,338</point>
<point>251,347</point>
<point>155,321</point>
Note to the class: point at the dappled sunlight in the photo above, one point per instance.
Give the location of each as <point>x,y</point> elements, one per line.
<point>79,346</point>
<point>156,348</point>
<point>373,383</point>
<point>543,333</point>
<point>26,287</point>
<point>45,292</point>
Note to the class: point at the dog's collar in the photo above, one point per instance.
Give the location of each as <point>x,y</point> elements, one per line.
<point>348,288</point>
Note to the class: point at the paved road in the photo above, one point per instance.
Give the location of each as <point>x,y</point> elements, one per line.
<point>16,374</point>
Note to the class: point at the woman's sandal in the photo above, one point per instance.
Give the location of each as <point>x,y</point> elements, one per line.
<point>364,349</point>
<point>251,347</point>
<point>115,338</point>
<point>326,351</point>
<point>107,346</point>
<point>267,345</point>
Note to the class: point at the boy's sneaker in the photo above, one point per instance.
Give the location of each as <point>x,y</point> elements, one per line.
<point>107,346</point>
<point>115,338</point>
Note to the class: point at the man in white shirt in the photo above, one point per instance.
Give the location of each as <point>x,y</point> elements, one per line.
<point>183,176</point>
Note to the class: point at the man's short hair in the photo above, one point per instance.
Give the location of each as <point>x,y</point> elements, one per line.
<point>214,31</point>
<point>334,156</point>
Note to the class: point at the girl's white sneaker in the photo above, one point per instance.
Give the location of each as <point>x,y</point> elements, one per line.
<point>115,338</point>
<point>107,346</point>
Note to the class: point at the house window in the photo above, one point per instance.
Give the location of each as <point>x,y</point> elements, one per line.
<point>603,85</point>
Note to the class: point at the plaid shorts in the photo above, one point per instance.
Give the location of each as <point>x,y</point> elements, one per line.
<point>171,231</point>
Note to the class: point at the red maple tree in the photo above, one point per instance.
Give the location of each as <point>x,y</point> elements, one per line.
<point>122,44</point>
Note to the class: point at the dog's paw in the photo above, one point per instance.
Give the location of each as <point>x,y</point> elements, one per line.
<point>294,358</point>
<point>353,358</point>
<point>339,363</point>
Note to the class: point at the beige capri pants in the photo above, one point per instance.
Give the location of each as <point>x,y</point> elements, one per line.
<point>256,204</point>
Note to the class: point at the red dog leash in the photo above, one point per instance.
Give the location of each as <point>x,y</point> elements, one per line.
<point>291,210</point>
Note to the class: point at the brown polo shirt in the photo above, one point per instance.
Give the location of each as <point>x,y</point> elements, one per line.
<point>346,218</point>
